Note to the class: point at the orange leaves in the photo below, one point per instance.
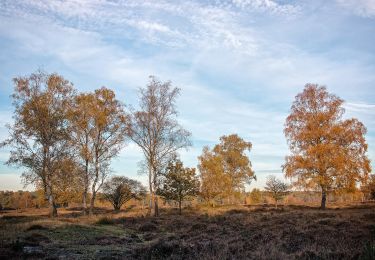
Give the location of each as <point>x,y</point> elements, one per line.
<point>327,152</point>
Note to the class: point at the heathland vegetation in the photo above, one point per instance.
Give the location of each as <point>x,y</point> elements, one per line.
<point>65,142</point>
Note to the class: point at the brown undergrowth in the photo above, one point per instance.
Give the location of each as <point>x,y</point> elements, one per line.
<point>256,232</point>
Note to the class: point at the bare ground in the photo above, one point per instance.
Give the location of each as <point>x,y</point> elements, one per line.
<point>257,232</point>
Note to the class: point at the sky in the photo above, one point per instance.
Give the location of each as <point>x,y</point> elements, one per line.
<point>239,64</point>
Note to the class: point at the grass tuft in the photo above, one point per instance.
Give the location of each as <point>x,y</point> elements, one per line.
<point>105,221</point>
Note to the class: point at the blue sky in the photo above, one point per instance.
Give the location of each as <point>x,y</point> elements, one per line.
<point>239,63</point>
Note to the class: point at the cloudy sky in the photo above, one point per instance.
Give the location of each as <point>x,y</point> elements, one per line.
<point>239,63</point>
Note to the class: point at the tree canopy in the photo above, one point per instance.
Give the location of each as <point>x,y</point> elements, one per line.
<point>226,168</point>
<point>39,137</point>
<point>120,189</point>
<point>276,188</point>
<point>327,152</point>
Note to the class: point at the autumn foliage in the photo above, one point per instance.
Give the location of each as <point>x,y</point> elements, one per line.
<point>327,152</point>
<point>66,140</point>
<point>225,169</point>
<point>39,137</point>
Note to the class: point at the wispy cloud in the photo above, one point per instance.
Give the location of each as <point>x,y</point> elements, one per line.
<point>239,63</point>
<point>361,107</point>
<point>364,8</point>
<point>268,6</point>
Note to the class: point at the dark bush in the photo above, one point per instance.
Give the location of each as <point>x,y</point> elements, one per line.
<point>105,221</point>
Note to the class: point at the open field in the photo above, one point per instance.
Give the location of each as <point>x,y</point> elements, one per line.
<point>255,232</point>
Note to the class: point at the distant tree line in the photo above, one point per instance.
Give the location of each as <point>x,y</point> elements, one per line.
<point>17,199</point>
<point>65,141</point>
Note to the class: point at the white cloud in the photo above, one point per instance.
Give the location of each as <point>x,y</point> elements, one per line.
<point>364,8</point>
<point>365,113</point>
<point>268,6</point>
<point>361,107</point>
<point>151,26</point>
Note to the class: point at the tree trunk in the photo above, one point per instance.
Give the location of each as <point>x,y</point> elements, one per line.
<point>51,201</point>
<point>93,187</point>
<point>92,203</point>
<point>276,203</point>
<point>324,198</point>
<point>151,193</point>
<point>156,207</point>
<point>153,175</point>
<point>179,206</point>
<point>93,195</point>
<point>53,210</point>
<point>84,202</point>
<point>85,188</point>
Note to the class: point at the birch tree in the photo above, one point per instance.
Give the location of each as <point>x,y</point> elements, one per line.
<point>39,136</point>
<point>98,133</point>
<point>327,152</point>
<point>107,137</point>
<point>226,168</point>
<point>82,118</point>
<point>155,129</point>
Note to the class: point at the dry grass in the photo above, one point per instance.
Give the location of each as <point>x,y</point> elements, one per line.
<point>254,232</point>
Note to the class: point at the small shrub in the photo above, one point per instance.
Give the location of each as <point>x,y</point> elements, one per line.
<point>236,211</point>
<point>105,221</point>
<point>36,227</point>
<point>147,227</point>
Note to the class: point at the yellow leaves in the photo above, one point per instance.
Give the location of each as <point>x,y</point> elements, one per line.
<point>225,169</point>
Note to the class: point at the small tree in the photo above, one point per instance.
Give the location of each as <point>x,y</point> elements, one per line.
<point>120,189</point>
<point>255,195</point>
<point>277,189</point>
<point>226,168</point>
<point>179,182</point>
<point>368,188</point>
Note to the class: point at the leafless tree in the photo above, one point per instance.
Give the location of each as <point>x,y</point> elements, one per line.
<point>154,128</point>
<point>276,188</point>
